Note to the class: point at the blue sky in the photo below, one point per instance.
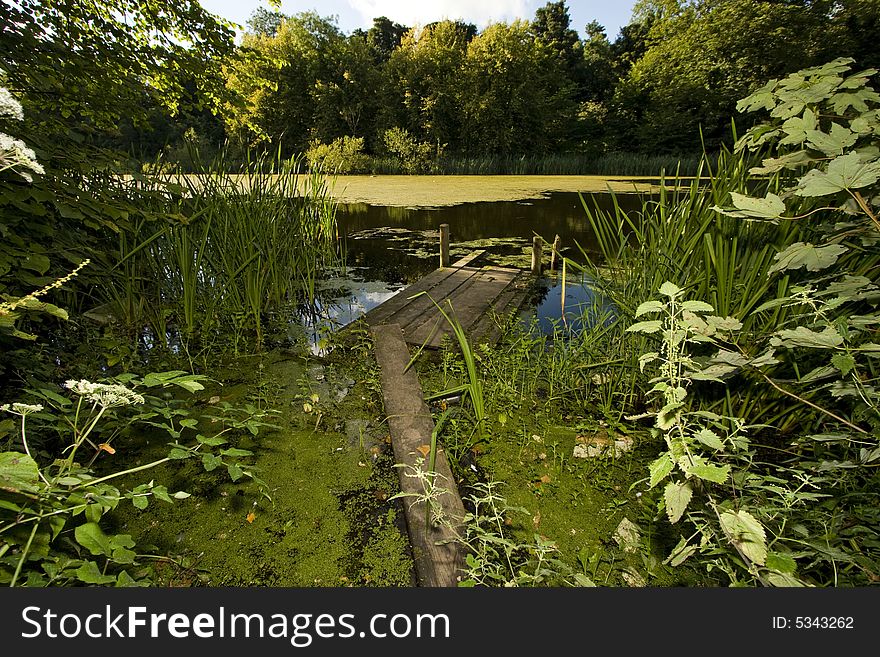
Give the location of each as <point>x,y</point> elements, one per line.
<point>613,14</point>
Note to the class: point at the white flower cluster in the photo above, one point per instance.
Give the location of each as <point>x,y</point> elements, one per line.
<point>14,153</point>
<point>9,107</point>
<point>21,409</point>
<point>107,395</point>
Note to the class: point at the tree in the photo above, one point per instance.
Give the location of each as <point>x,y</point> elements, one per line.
<point>278,79</point>
<point>425,83</point>
<point>384,38</point>
<point>517,97</point>
<point>552,26</point>
<point>266,22</point>
<point>81,65</point>
<point>703,55</point>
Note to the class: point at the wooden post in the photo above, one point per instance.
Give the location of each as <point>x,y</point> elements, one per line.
<point>536,255</point>
<point>554,256</point>
<point>444,245</point>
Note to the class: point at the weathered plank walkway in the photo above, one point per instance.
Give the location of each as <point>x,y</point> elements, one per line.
<point>476,295</point>
<point>438,557</point>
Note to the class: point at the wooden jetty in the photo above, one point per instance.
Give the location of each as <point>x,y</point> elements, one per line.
<point>474,296</point>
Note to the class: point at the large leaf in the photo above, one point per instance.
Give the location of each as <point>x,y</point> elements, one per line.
<point>714,473</point>
<point>769,207</point>
<point>851,171</point>
<point>677,495</point>
<point>834,142</point>
<point>829,338</point>
<point>804,254</point>
<point>92,538</point>
<point>660,468</point>
<point>91,574</point>
<point>747,534</point>
<point>652,326</point>
<point>18,473</point>
<point>649,307</point>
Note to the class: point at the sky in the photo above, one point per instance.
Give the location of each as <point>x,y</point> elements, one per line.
<point>352,14</point>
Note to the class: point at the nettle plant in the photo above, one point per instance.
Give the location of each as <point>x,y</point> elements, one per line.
<point>707,454</point>
<point>824,133</point>
<point>808,513</point>
<point>51,508</point>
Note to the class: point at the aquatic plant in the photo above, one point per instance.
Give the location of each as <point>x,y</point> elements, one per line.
<point>240,245</point>
<point>51,509</point>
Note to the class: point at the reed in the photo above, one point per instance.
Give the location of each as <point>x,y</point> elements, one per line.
<point>234,244</point>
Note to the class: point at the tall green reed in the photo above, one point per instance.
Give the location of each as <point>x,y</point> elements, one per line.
<point>235,244</point>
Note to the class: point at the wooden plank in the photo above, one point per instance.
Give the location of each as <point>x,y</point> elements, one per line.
<point>414,326</point>
<point>423,306</point>
<point>468,259</point>
<point>468,303</point>
<point>486,329</point>
<point>439,558</point>
<point>382,312</point>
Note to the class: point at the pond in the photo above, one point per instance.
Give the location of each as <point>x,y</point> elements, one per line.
<point>389,247</point>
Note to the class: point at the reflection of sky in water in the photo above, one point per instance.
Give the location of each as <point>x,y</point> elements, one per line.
<point>581,302</point>
<point>343,299</point>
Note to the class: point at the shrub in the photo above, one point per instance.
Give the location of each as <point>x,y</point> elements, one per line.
<point>344,155</point>
<point>414,156</point>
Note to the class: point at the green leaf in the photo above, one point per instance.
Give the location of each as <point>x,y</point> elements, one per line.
<point>233,451</point>
<point>747,534</point>
<point>670,290</point>
<point>89,573</point>
<point>710,439</point>
<point>784,580</point>
<point>787,161</point>
<point>829,338</point>
<point>123,555</point>
<point>214,441</point>
<point>181,495</point>
<point>19,473</point>
<point>850,171</point>
<point>235,472</point>
<point>715,473</point>
<point>653,326</point>
<point>178,453</point>
<point>801,254</point>
<point>680,553</point>
<point>36,262</point>
<point>162,493</point>
<point>140,502</point>
<point>93,539</point>
<point>211,462</point>
<point>769,207</point>
<point>835,143</point>
<point>677,496</point>
<point>661,468</point>
<point>781,563</point>
<point>845,363</point>
<point>697,306</point>
<point>649,307</point>
<point>668,416</point>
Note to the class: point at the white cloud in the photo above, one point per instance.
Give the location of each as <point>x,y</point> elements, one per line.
<point>410,12</point>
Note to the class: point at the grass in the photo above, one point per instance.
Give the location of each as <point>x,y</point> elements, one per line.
<point>233,248</point>
<point>619,164</point>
